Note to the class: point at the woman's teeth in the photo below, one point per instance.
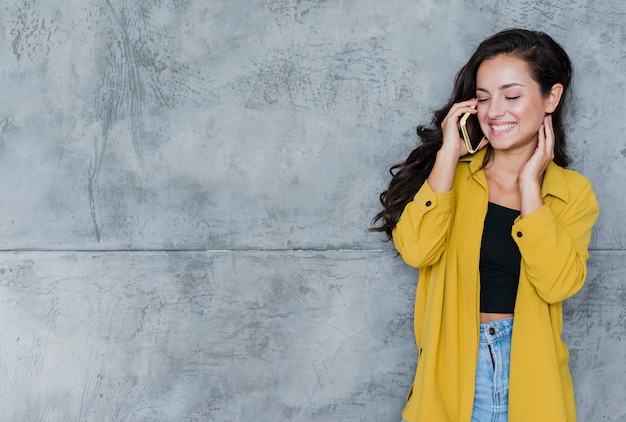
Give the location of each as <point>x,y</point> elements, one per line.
<point>500,128</point>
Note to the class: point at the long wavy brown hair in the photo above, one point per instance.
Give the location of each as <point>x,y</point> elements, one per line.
<point>548,63</point>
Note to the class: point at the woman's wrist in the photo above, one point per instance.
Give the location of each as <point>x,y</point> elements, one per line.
<point>442,175</point>
<point>531,199</point>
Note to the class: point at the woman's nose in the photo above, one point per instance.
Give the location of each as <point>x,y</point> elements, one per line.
<point>495,109</point>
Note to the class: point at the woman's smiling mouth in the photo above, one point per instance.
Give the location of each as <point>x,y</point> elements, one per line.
<point>503,127</point>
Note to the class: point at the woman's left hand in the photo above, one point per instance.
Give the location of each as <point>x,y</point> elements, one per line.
<point>533,170</point>
<point>531,174</point>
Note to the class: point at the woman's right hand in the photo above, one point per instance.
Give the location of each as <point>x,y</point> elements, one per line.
<point>453,144</point>
<point>441,177</point>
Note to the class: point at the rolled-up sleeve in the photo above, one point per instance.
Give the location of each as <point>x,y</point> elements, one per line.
<point>554,248</point>
<point>421,233</point>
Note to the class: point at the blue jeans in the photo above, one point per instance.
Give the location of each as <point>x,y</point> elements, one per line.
<point>491,397</point>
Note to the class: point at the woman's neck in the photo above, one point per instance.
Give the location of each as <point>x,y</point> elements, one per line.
<point>502,173</point>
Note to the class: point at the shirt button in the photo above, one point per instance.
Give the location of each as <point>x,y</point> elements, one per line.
<point>428,203</point>
<point>519,234</point>
<point>492,331</point>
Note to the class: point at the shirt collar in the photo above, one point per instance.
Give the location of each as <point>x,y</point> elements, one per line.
<point>553,181</point>
<point>475,160</point>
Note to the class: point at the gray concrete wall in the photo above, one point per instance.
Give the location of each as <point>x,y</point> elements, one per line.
<point>185,188</point>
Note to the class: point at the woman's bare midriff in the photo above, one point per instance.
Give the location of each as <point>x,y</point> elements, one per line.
<point>488,317</point>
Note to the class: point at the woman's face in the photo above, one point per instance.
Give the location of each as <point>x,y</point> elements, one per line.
<point>511,107</point>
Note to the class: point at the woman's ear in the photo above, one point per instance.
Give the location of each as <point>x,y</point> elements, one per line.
<point>554,97</point>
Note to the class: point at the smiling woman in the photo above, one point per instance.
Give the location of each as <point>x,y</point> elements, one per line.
<point>511,106</point>
<point>500,238</point>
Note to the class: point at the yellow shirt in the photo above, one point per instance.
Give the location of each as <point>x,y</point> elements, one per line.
<point>440,233</point>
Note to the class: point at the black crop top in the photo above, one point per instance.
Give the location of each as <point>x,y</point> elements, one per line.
<point>499,261</point>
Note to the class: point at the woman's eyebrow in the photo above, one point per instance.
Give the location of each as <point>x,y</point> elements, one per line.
<point>505,86</point>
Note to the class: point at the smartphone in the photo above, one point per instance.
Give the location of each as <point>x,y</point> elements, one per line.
<point>470,130</point>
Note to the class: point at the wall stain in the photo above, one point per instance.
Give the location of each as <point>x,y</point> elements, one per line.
<point>130,89</point>
<point>4,123</point>
<point>32,35</point>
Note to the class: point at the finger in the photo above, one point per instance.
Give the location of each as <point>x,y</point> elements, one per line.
<point>541,143</point>
<point>549,135</point>
<point>463,107</point>
<point>455,114</point>
<point>469,105</point>
<point>542,133</point>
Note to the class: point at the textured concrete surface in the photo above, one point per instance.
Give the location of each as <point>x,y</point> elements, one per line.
<point>185,189</point>
<point>219,336</point>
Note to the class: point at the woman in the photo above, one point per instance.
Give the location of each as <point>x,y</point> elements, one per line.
<point>500,238</point>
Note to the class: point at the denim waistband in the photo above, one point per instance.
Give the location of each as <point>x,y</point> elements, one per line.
<point>495,330</point>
